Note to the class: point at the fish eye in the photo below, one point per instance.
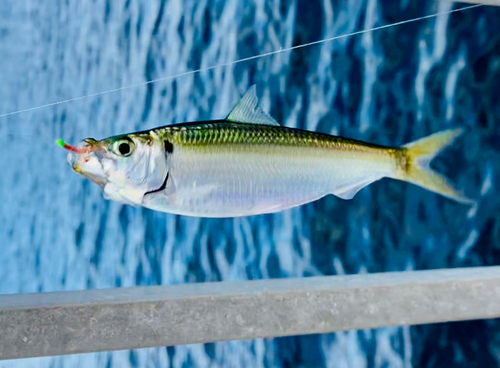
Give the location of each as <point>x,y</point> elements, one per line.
<point>123,147</point>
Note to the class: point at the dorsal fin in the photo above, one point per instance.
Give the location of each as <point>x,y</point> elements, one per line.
<point>248,111</point>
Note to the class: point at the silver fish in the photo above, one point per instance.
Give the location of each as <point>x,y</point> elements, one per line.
<point>247,164</point>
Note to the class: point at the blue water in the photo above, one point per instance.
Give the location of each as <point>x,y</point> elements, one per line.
<point>388,87</point>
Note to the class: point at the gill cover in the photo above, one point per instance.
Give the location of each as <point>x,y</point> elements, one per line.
<point>134,165</point>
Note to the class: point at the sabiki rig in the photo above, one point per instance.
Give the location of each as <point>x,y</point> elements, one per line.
<point>247,164</point>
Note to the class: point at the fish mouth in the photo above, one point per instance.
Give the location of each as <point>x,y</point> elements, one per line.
<point>88,163</point>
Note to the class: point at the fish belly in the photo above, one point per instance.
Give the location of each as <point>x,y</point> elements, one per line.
<point>239,180</point>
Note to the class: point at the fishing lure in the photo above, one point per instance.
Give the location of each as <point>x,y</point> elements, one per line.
<point>247,164</point>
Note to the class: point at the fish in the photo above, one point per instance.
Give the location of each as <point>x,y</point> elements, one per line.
<point>247,164</point>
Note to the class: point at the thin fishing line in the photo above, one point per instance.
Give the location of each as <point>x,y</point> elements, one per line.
<point>240,60</point>
<point>37,137</point>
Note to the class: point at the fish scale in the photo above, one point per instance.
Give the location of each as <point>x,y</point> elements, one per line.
<point>221,132</point>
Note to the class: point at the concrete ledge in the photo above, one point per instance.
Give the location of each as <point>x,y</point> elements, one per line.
<point>128,318</point>
<point>484,2</point>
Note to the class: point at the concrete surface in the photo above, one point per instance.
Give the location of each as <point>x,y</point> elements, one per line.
<point>484,2</point>
<point>128,318</point>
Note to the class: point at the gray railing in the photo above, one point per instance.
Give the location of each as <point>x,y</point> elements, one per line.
<point>128,318</point>
<point>484,2</point>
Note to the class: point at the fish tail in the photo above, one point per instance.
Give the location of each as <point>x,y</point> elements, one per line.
<point>413,164</point>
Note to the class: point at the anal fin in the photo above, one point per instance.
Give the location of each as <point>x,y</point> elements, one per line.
<point>348,191</point>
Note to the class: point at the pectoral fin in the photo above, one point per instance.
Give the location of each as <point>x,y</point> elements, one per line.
<point>177,198</point>
<point>131,197</point>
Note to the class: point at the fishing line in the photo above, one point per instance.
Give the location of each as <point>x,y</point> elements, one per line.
<point>239,60</point>
<point>37,137</point>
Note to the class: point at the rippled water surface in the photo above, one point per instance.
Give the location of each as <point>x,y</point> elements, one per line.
<point>388,87</point>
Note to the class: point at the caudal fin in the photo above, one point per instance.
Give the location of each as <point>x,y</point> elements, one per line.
<point>414,160</point>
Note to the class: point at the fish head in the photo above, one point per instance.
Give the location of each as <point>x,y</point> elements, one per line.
<point>126,167</point>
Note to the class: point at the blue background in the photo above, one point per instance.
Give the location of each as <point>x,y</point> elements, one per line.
<point>388,87</point>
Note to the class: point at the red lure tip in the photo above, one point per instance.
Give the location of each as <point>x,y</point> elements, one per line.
<point>71,148</point>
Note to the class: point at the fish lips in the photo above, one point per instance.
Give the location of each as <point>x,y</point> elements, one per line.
<point>88,164</point>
